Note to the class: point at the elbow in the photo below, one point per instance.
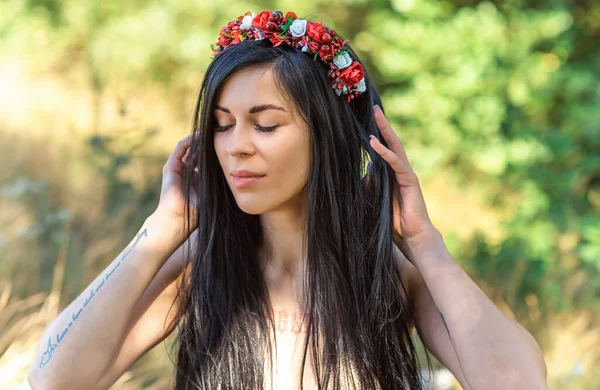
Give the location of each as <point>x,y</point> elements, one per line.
<point>527,370</point>
<point>42,383</point>
<point>534,360</point>
<point>531,380</point>
<point>532,374</point>
<point>38,383</point>
<point>537,356</point>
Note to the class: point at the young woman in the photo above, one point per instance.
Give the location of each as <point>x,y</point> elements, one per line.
<point>291,246</point>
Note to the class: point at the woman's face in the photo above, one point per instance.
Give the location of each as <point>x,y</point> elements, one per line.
<point>258,131</point>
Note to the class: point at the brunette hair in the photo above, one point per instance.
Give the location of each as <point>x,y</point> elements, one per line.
<point>355,293</point>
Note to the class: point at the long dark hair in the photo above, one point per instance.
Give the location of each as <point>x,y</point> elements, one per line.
<point>355,293</point>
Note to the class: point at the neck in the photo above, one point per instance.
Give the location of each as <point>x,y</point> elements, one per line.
<point>281,253</point>
<point>282,260</point>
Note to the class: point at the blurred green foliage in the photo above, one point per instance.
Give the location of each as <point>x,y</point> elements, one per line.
<point>500,95</point>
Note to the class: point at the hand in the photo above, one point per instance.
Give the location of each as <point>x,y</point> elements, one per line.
<point>172,199</point>
<point>411,220</point>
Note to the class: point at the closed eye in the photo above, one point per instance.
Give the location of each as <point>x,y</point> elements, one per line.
<point>260,128</point>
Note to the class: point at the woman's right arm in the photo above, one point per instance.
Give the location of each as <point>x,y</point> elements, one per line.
<point>117,318</point>
<point>121,314</point>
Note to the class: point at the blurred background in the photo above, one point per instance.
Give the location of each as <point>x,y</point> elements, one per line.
<point>498,104</point>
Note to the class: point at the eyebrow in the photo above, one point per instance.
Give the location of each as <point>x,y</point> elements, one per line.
<point>255,109</point>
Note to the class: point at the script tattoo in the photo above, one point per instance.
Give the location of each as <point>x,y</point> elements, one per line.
<point>75,315</point>
<point>292,322</point>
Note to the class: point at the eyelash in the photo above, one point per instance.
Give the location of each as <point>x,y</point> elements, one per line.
<point>260,128</point>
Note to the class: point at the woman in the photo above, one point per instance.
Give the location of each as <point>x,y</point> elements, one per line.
<point>307,265</point>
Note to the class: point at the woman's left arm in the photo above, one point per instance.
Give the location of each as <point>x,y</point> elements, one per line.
<point>455,319</point>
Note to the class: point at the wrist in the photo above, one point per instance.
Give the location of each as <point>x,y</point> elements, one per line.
<point>171,228</point>
<point>427,240</point>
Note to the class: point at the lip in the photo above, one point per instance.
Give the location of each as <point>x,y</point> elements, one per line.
<point>242,182</point>
<point>244,173</point>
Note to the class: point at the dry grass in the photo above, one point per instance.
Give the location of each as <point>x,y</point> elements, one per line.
<point>23,322</point>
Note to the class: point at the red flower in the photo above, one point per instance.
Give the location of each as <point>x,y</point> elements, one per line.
<point>275,39</point>
<point>338,44</point>
<point>225,36</point>
<point>236,37</point>
<point>352,74</point>
<point>326,52</point>
<point>229,36</point>
<point>260,21</point>
<point>290,15</point>
<point>315,31</point>
<point>313,47</point>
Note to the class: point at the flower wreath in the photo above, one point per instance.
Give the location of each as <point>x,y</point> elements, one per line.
<point>313,38</point>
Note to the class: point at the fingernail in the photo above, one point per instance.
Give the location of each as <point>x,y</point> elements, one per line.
<point>377,107</point>
<point>372,136</point>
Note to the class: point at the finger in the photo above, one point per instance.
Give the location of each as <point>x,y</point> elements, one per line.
<point>389,135</point>
<point>399,165</point>
<point>186,156</point>
<point>180,150</point>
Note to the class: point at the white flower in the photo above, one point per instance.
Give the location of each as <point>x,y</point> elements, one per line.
<point>361,86</point>
<point>247,22</point>
<point>342,60</point>
<point>298,28</point>
<point>304,48</point>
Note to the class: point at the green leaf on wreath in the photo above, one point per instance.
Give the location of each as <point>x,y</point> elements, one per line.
<point>285,27</point>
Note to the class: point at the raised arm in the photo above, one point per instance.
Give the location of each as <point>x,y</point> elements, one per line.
<point>119,316</point>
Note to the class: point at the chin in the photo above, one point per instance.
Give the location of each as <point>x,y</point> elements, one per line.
<point>252,210</point>
<point>251,204</point>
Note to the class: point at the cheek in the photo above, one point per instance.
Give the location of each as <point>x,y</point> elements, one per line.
<point>291,160</point>
<point>219,151</point>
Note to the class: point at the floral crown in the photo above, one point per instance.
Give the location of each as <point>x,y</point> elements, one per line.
<point>313,38</point>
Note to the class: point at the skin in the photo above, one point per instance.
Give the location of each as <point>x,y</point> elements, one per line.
<point>282,155</point>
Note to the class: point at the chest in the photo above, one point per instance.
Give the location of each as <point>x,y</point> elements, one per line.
<point>291,325</point>
<point>291,333</point>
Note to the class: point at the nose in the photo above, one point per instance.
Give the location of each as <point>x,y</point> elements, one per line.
<point>240,142</point>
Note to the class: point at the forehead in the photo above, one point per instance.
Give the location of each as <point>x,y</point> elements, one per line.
<point>250,87</point>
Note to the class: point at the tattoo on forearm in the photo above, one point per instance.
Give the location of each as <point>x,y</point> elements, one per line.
<point>446,325</point>
<point>296,322</point>
<point>93,291</point>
